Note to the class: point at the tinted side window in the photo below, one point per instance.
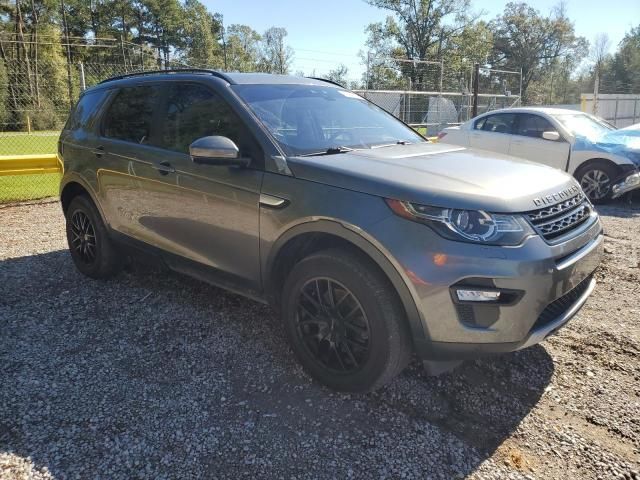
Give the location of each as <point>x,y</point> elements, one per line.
<point>479,123</point>
<point>85,110</point>
<point>130,115</point>
<point>193,111</point>
<point>533,125</point>
<point>499,123</point>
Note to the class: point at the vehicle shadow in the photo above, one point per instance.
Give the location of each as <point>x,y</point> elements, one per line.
<point>154,375</point>
<point>623,207</point>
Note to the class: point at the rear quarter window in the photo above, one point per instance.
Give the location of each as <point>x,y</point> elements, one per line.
<point>85,111</point>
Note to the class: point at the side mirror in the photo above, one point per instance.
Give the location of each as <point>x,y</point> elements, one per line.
<point>552,135</point>
<point>216,150</point>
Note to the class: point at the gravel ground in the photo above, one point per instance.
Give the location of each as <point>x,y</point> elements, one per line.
<point>155,375</point>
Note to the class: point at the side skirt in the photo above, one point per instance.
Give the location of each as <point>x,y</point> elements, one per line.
<point>153,255</point>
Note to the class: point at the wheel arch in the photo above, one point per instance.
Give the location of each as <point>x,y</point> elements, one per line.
<point>587,163</point>
<point>74,186</point>
<point>313,236</point>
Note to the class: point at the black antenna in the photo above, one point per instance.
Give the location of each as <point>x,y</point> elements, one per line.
<point>327,80</point>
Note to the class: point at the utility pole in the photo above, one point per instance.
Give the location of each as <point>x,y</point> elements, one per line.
<point>476,86</point>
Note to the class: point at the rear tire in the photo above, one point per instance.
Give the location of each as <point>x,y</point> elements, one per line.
<point>345,322</point>
<point>92,251</point>
<point>596,179</point>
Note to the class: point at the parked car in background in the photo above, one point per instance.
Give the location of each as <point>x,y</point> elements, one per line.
<point>602,159</point>
<point>372,243</point>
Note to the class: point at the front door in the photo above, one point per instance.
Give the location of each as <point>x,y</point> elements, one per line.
<point>214,214</point>
<point>527,142</point>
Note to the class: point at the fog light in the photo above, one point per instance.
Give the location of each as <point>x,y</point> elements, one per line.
<point>477,296</point>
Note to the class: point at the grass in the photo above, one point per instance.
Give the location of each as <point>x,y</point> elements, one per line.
<point>21,143</point>
<point>15,188</point>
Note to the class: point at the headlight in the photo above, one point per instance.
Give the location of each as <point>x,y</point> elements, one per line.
<point>474,226</point>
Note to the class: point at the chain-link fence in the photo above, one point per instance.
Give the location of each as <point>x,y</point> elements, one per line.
<point>17,188</point>
<point>35,99</point>
<point>433,95</point>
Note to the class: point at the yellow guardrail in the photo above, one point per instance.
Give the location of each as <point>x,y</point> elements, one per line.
<point>29,164</point>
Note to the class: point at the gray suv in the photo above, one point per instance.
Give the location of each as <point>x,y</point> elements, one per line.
<point>372,243</point>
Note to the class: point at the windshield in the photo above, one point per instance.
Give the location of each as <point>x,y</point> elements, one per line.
<point>311,119</point>
<point>584,125</point>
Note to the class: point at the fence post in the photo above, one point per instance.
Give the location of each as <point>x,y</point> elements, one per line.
<point>366,87</point>
<point>615,115</point>
<point>441,74</point>
<point>520,94</point>
<point>408,104</point>
<point>83,84</point>
<point>635,107</point>
<point>596,84</point>
<point>476,86</point>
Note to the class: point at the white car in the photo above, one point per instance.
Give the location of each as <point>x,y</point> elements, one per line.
<point>606,163</point>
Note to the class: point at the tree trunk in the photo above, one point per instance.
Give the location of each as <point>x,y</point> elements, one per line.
<point>35,19</point>
<point>25,55</point>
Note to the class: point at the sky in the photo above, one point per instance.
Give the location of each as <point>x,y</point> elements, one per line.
<point>329,32</point>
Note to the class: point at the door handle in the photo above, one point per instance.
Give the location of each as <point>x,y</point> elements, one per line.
<point>98,151</point>
<point>164,168</point>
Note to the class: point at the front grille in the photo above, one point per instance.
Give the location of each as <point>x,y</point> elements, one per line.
<point>558,220</point>
<point>558,307</point>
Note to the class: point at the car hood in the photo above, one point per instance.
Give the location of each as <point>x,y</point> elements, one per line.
<point>440,175</point>
<point>617,142</point>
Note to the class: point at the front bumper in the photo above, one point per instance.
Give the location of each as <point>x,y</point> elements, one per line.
<point>550,284</point>
<point>631,182</point>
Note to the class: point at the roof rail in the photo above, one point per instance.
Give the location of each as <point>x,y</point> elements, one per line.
<point>171,70</point>
<point>328,81</point>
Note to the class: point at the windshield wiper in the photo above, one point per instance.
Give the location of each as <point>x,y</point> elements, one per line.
<point>329,151</point>
<point>399,142</point>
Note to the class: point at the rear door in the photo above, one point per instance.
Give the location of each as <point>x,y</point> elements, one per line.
<point>527,142</point>
<point>135,180</point>
<point>493,132</point>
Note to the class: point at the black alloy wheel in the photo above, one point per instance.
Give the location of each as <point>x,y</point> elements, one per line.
<point>333,326</point>
<point>83,237</point>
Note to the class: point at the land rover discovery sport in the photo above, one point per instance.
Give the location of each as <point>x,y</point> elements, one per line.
<point>372,243</point>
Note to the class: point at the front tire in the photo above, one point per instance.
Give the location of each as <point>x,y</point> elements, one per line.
<point>92,251</point>
<point>345,322</point>
<point>596,180</point>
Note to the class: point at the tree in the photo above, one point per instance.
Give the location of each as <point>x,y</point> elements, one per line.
<point>201,31</point>
<point>524,39</point>
<point>600,51</point>
<point>276,56</point>
<point>4,80</point>
<point>242,48</point>
<point>339,75</point>
<point>620,75</point>
<point>418,30</point>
